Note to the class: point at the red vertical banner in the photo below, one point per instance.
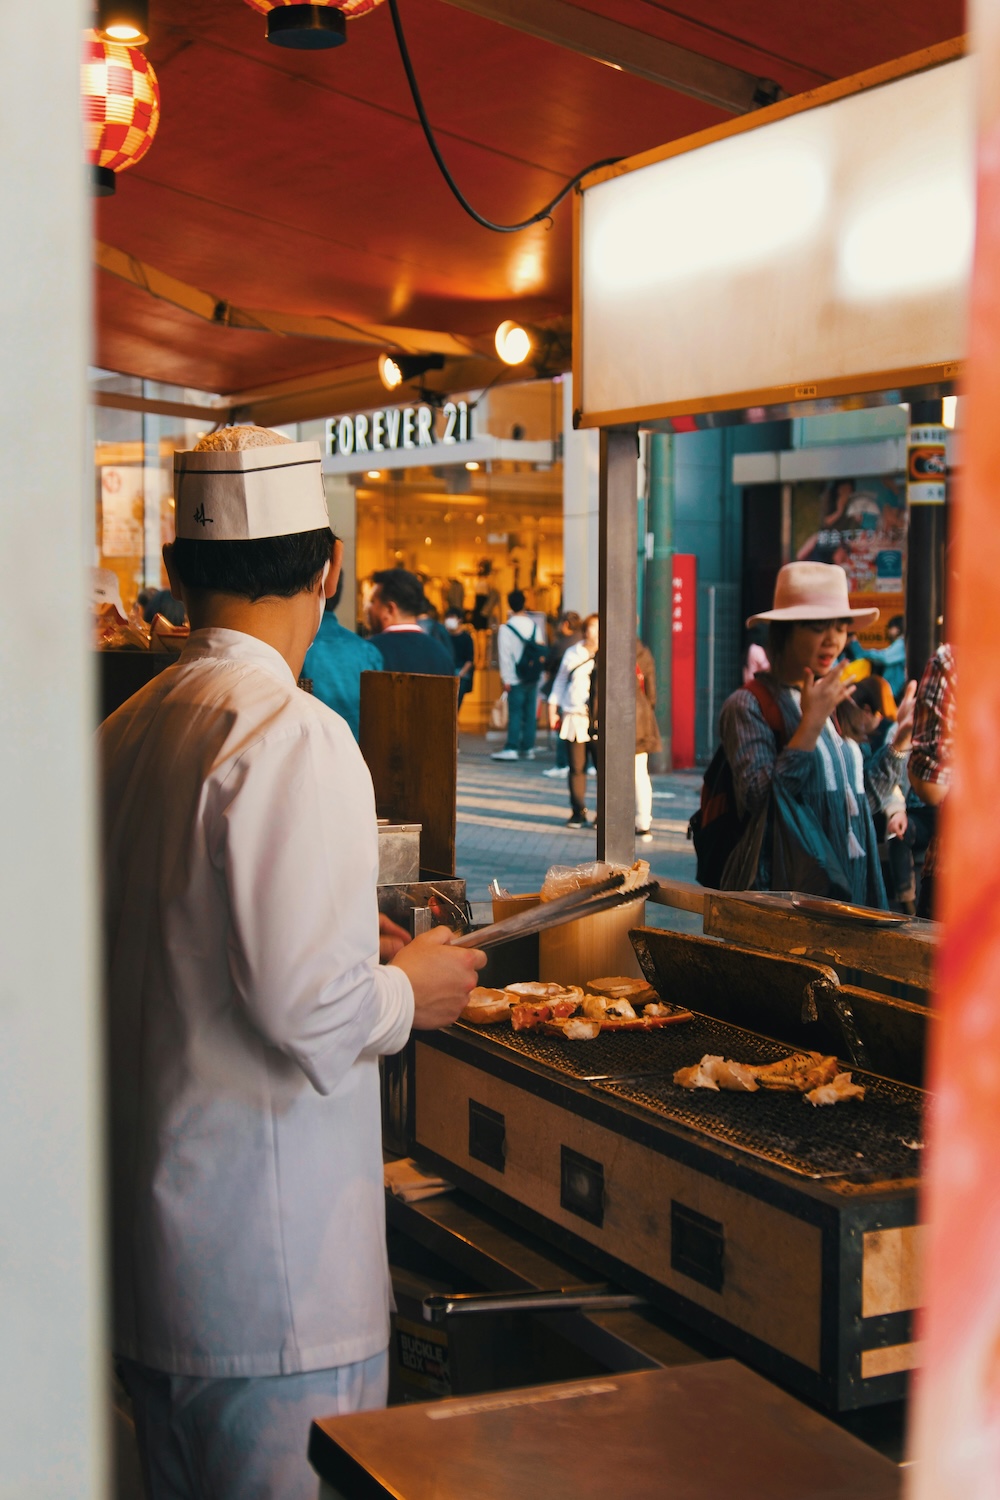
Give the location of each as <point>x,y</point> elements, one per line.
<point>955,1439</point>
<point>684,631</point>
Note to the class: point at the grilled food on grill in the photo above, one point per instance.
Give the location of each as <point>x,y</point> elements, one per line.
<point>486,1007</point>
<point>621,987</point>
<point>840,1088</point>
<point>808,1073</point>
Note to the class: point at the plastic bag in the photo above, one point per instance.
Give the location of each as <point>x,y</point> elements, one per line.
<point>561,879</point>
<point>498,713</point>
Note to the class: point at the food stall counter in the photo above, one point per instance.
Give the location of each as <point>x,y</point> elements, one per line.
<point>692,1433</point>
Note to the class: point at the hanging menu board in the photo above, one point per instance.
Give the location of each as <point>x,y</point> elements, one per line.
<point>819,247</point>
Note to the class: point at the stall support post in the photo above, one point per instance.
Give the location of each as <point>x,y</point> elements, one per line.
<point>54,1403</point>
<point>928,527</point>
<point>659,586</point>
<point>616,658</point>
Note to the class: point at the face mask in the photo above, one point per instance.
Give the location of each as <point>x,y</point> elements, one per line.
<point>322,599</point>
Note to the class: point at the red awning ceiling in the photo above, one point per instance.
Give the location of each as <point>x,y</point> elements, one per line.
<point>300,182</point>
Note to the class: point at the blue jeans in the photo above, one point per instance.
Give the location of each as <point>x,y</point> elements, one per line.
<point>522,710</point>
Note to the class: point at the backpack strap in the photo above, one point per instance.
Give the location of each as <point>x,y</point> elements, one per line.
<point>769,708</point>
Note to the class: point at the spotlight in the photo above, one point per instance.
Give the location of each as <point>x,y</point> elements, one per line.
<point>513,343</point>
<point>374,474</point>
<point>395,369</point>
<point>472,466</point>
<point>123,21</point>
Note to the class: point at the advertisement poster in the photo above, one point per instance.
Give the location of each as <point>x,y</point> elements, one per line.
<point>121,511</point>
<point>860,524</point>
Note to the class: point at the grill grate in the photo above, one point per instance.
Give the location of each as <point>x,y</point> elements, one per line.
<point>858,1143</point>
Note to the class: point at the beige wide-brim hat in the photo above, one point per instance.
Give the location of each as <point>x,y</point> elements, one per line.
<point>813,591</point>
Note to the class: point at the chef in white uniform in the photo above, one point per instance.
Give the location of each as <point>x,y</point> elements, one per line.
<point>247,1005</point>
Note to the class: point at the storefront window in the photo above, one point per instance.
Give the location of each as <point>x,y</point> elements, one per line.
<point>133,476</point>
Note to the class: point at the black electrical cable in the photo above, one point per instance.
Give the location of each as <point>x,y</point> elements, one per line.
<point>543,213</point>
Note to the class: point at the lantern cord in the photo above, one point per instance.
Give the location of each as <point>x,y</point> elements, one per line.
<point>543,213</point>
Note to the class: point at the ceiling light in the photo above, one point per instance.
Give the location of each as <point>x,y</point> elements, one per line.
<point>374,474</point>
<point>123,21</point>
<point>472,466</point>
<point>395,369</point>
<point>513,343</point>
<point>121,108</point>
<point>310,27</point>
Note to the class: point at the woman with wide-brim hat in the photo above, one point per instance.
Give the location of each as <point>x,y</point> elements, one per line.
<point>801,785</point>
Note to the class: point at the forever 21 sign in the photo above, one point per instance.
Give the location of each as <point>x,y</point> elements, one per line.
<point>398,427</point>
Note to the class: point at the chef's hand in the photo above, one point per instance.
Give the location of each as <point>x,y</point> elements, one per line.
<point>391,939</point>
<point>441,976</point>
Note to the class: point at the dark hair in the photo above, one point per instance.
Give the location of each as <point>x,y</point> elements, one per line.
<point>516,600</point>
<point>572,619</point>
<point>898,622</point>
<point>267,567</point>
<point>868,694</point>
<point>401,588</point>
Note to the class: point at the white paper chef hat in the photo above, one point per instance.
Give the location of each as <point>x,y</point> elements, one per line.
<point>242,483</point>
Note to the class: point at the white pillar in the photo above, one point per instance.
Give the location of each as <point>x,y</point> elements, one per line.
<point>581,505</point>
<point>341,502</point>
<point>53,1369</point>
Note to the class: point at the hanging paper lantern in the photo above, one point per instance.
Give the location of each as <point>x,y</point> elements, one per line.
<point>310,26</point>
<point>121,108</point>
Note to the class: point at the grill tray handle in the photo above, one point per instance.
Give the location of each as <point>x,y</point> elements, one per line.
<point>438,1307</point>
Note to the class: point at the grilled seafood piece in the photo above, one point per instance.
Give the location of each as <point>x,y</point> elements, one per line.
<point>717,1073</point>
<point>798,1073</point>
<point>486,1007</point>
<point>833,1093</point>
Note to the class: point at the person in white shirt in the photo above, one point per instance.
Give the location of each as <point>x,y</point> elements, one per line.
<point>569,710</point>
<point>520,672</point>
<point>247,1007</point>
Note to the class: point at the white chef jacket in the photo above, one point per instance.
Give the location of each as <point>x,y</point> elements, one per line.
<point>247,1011</point>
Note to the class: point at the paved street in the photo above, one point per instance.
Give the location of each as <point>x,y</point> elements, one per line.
<point>511,825</point>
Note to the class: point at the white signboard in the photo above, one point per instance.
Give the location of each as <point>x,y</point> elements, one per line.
<point>399,427</point>
<point>821,252</point>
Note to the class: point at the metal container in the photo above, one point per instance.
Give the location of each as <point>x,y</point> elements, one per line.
<point>398,852</point>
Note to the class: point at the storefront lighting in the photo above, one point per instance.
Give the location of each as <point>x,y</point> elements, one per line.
<point>427,541</point>
<point>395,369</point>
<point>123,21</point>
<point>472,466</point>
<point>949,411</point>
<point>480,520</point>
<point>310,27</point>
<point>121,108</point>
<point>513,343</point>
<point>374,474</point>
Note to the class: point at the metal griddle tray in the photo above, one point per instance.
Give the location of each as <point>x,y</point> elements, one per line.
<point>875,1140</point>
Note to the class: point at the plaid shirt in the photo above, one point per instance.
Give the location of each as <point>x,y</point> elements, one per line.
<point>933,727</point>
<point>934,720</point>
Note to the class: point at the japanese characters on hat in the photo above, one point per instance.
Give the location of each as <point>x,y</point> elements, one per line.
<point>244,483</point>
<point>812,591</point>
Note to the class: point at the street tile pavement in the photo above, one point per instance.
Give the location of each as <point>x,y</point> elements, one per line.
<point>511,825</point>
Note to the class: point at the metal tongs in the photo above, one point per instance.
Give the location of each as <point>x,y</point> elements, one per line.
<point>586,902</point>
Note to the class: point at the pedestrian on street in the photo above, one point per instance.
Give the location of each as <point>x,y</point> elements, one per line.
<point>393,613</point>
<point>568,632</point>
<point>522,655</point>
<point>647,738</point>
<point>569,711</point>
